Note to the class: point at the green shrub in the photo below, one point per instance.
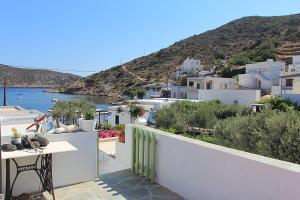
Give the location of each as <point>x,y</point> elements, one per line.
<point>184,114</point>
<point>107,127</point>
<point>139,92</point>
<point>170,130</point>
<point>120,127</point>
<point>230,72</point>
<point>270,133</point>
<point>89,114</point>
<point>282,104</point>
<point>204,138</point>
<point>266,50</point>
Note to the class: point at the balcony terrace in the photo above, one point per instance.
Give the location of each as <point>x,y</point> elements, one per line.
<point>154,164</point>
<point>116,186</point>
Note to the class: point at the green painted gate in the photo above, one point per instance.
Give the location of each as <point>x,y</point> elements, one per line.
<point>143,153</point>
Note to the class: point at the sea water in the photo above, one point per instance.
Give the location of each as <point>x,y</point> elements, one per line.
<point>39,99</point>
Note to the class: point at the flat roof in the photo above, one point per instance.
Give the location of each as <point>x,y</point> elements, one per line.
<point>17,115</point>
<point>290,75</point>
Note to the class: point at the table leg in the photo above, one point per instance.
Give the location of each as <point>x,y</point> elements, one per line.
<point>46,174</point>
<point>7,177</point>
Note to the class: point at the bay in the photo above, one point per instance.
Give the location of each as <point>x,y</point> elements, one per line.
<point>38,99</point>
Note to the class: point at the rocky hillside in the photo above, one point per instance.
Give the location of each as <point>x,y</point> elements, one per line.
<point>225,42</point>
<point>19,77</point>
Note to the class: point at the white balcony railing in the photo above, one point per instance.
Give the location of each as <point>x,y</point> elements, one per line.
<point>199,170</point>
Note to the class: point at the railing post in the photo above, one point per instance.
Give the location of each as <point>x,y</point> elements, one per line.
<point>147,154</point>
<point>137,151</point>
<point>152,157</point>
<point>133,148</point>
<point>142,153</point>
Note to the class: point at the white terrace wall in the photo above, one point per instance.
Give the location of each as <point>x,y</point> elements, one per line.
<point>243,97</point>
<point>68,168</point>
<point>198,170</point>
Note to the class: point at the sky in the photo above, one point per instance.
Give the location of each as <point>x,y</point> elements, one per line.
<point>87,36</point>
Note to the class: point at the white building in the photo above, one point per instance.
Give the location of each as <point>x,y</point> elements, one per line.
<point>153,90</point>
<point>204,83</point>
<point>179,92</point>
<point>208,83</point>
<point>261,75</point>
<point>214,88</point>
<point>120,114</point>
<point>190,65</point>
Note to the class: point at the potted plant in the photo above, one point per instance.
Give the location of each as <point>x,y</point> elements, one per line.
<point>70,111</point>
<point>121,135</point>
<point>16,139</point>
<point>88,123</point>
<point>137,113</point>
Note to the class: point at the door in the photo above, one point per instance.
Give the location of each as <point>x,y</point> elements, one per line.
<point>117,120</point>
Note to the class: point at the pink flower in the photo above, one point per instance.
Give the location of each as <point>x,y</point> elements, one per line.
<point>109,133</point>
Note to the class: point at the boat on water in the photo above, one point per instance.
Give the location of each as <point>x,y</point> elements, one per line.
<point>54,100</point>
<point>19,97</point>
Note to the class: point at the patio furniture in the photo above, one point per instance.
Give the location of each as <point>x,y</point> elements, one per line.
<point>42,165</point>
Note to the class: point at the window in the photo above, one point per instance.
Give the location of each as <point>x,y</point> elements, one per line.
<point>198,86</point>
<point>209,85</point>
<point>289,83</point>
<point>191,84</point>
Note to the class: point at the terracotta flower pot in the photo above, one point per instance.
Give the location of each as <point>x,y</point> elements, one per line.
<point>122,137</point>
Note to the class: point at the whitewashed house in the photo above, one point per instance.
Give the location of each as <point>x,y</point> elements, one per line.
<point>289,81</point>
<point>153,90</point>
<point>179,92</point>
<point>190,65</point>
<point>215,88</point>
<point>196,84</point>
<point>261,75</point>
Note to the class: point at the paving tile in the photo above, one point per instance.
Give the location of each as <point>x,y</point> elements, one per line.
<point>80,196</point>
<point>132,181</point>
<point>114,197</point>
<point>95,198</point>
<point>99,191</point>
<point>162,192</point>
<point>137,194</point>
<point>147,183</point>
<point>123,185</point>
<point>166,198</point>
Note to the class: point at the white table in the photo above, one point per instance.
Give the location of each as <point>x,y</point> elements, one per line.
<point>44,171</point>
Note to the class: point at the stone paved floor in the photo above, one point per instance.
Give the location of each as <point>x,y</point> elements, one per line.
<point>116,186</point>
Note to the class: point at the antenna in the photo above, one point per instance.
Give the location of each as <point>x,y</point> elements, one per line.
<point>4,89</point>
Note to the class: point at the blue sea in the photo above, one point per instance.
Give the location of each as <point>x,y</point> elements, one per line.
<point>38,99</point>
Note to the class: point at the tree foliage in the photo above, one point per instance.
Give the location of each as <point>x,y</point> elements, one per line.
<point>73,109</point>
<point>183,115</point>
<point>271,133</point>
<point>139,92</point>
